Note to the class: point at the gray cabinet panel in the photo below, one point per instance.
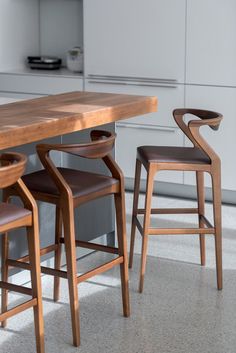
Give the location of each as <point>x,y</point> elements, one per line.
<point>211,44</point>
<point>135,38</point>
<point>29,82</point>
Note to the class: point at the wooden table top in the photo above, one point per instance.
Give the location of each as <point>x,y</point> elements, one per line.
<point>33,120</point>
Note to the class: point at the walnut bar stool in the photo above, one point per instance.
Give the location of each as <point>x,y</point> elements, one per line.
<point>200,158</point>
<point>13,217</point>
<point>68,189</point>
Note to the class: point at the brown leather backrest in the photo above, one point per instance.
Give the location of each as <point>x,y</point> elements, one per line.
<point>12,168</point>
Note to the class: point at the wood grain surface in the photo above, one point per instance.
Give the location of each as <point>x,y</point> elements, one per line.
<point>36,119</point>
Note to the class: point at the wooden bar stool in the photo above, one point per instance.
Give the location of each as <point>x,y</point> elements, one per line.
<point>13,217</point>
<point>68,189</point>
<point>200,158</point>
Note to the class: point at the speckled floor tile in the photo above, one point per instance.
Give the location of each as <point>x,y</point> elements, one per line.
<point>180,310</point>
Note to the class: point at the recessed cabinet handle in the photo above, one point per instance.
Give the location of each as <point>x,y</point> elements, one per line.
<point>132,84</point>
<point>148,127</point>
<point>127,78</point>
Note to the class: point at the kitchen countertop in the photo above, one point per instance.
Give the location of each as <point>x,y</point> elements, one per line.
<point>33,120</point>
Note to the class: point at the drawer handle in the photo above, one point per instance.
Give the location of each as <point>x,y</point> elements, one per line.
<point>127,78</point>
<point>139,84</point>
<point>148,127</point>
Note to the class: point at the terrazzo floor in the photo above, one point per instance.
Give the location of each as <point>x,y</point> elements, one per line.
<point>180,310</point>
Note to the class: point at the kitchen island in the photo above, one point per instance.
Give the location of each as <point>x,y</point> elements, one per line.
<point>67,118</point>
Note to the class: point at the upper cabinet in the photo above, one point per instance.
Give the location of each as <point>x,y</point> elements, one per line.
<point>211,44</point>
<point>135,38</point>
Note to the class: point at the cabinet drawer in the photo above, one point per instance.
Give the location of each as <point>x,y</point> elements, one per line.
<point>38,84</point>
<point>169,97</point>
<point>210,42</point>
<point>130,137</point>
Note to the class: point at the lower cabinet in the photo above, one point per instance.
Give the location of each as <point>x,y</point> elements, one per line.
<point>39,82</point>
<point>223,141</point>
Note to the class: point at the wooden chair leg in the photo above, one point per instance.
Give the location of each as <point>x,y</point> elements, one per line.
<point>69,236</point>
<point>34,259</point>
<point>122,245</point>
<point>135,207</point>
<point>4,265</point>
<point>201,211</point>
<point>216,190</point>
<point>146,223</point>
<point>57,262</point>
<point>5,250</point>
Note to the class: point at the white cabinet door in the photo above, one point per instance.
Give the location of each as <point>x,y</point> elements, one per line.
<point>169,97</point>
<point>135,38</point>
<point>223,141</point>
<point>211,43</point>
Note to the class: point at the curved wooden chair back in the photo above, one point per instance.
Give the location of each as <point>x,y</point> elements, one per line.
<point>101,145</point>
<point>191,129</point>
<point>12,168</point>
<point>99,148</point>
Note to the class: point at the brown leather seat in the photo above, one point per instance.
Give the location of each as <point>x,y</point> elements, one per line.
<point>172,154</point>
<point>11,213</point>
<point>201,158</point>
<point>81,183</point>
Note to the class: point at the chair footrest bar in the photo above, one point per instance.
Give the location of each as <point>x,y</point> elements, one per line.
<point>105,267</point>
<point>172,231</point>
<point>16,288</point>
<point>18,263</point>
<point>46,270</point>
<point>169,210</point>
<point>93,246</point>
<point>140,228</point>
<point>183,231</point>
<point>53,272</point>
<point>43,251</point>
<point>18,309</point>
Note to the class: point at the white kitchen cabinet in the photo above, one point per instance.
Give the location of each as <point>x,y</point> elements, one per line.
<point>135,38</point>
<point>129,137</point>
<point>222,100</point>
<point>169,97</point>
<point>40,82</point>
<point>211,44</point>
